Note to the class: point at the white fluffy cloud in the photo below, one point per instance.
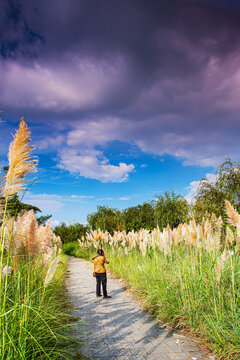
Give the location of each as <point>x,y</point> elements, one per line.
<point>92,164</point>
<point>156,135</point>
<point>96,131</point>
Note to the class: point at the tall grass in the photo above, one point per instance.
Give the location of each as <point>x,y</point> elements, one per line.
<point>31,304</point>
<point>33,317</point>
<point>187,276</point>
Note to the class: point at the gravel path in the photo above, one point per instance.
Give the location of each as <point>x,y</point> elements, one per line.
<point>117,328</point>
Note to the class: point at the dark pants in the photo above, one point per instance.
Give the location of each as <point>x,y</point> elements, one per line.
<point>101,279</point>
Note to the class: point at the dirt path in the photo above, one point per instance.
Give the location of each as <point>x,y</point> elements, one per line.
<point>117,328</point>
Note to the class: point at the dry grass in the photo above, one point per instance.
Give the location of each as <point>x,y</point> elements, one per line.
<point>21,161</point>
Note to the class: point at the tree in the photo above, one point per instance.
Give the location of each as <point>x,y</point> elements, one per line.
<point>43,219</point>
<point>15,206</point>
<point>70,233</point>
<point>171,209</point>
<point>211,195</point>
<point>105,218</point>
<point>137,217</point>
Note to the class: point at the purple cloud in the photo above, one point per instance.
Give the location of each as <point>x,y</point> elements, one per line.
<point>163,76</point>
<point>79,84</point>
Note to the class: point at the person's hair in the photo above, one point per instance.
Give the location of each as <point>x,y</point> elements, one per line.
<point>100,252</point>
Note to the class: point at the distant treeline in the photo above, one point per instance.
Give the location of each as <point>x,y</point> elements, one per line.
<point>169,208</point>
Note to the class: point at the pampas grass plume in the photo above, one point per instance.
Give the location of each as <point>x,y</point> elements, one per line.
<point>51,270</point>
<point>21,162</point>
<point>33,247</point>
<point>232,213</point>
<point>48,235</point>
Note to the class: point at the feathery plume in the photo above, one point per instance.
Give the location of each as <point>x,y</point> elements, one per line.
<point>31,231</point>
<point>48,234</point>
<point>21,162</point>
<point>51,270</point>
<point>221,264</point>
<point>25,238</point>
<point>143,248</point>
<point>229,237</point>
<point>232,213</point>
<point>59,242</point>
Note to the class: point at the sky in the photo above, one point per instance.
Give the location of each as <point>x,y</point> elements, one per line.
<point>124,99</point>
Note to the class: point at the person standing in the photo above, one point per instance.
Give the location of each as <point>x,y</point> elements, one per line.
<point>100,273</point>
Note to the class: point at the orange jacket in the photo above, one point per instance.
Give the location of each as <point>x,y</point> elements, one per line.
<point>99,262</point>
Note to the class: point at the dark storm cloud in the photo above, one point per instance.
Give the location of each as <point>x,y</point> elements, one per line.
<point>17,37</point>
<point>164,75</point>
<point>147,32</point>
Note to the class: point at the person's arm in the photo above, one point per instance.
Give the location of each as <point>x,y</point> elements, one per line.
<point>105,259</point>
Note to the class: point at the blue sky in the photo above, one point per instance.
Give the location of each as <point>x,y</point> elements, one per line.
<point>70,196</point>
<point>123,102</point>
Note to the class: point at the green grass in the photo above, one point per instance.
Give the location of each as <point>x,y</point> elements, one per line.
<point>74,249</point>
<point>184,291</point>
<point>34,321</point>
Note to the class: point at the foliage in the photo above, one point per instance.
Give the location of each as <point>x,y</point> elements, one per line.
<point>211,195</point>
<point>70,233</point>
<point>75,250</point>
<point>137,217</point>
<point>105,218</point>
<point>43,219</point>
<point>171,209</point>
